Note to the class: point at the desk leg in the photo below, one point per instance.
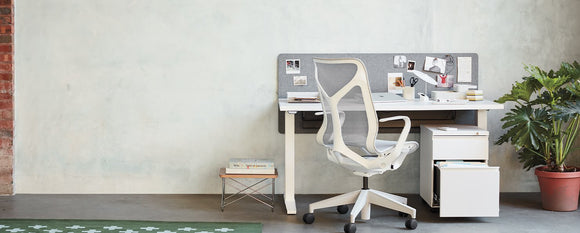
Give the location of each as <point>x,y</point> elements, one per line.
<point>482,119</point>
<point>289,161</point>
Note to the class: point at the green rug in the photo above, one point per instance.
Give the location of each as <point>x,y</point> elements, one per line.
<point>106,226</point>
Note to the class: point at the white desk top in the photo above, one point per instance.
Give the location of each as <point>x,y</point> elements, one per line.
<point>411,105</point>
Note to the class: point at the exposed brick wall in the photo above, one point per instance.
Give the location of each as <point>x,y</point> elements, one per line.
<point>6,95</point>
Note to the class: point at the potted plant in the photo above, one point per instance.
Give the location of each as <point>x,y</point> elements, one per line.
<point>543,126</point>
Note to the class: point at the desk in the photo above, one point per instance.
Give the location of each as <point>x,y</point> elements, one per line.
<point>291,109</point>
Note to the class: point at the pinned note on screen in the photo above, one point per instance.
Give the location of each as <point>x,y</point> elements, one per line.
<point>464,69</point>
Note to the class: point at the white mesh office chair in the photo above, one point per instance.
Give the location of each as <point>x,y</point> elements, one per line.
<point>350,124</point>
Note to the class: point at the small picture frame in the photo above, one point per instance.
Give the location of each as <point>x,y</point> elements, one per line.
<point>300,81</point>
<point>399,61</point>
<point>394,83</point>
<point>435,64</point>
<point>445,80</point>
<point>411,65</point>
<point>293,66</point>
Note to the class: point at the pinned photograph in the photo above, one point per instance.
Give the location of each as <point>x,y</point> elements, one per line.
<point>293,66</point>
<point>399,61</point>
<point>395,83</point>
<point>445,80</point>
<point>411,65</point>
<point>435,64</point>
<point>300,81</point>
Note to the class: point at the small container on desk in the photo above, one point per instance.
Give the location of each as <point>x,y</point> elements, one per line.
<point>254,188</point>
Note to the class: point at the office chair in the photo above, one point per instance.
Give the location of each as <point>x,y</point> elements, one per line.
<point>349,132</point>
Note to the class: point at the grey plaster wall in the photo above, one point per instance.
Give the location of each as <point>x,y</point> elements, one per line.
<point>124,96</point>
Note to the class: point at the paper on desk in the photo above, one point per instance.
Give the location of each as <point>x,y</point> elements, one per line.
<point>460,164</point>
<point>302,97</point>
<point>464,69</point>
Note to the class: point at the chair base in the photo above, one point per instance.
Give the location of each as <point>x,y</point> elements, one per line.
<point>362,200</point>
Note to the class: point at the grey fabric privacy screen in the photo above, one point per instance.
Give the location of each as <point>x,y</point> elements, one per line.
<point>378,65</point>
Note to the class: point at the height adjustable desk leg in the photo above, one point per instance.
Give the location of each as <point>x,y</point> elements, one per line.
<point>482,118</point>
<point>289,155</point>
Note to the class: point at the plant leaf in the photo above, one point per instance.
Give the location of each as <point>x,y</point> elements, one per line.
<point>527,127</point>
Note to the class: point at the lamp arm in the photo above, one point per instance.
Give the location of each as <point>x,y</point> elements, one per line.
<point>423,76</point>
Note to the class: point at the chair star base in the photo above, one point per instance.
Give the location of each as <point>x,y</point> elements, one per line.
<point>362,200</point>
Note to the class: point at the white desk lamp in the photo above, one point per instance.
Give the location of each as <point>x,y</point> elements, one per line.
<point>423,76</point>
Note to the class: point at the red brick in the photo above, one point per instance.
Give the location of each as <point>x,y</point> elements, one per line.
<point>6,175</point>
<point>6,2</point>
<point>5,143</point>
<point>6,189</point>
<point>5,96</point>
<point>6,29</point>
<point>6,67</point>
<point>5,10</point>
<point>6,124</point>
<point>5,104</point>
<point>6,38</point>
<point>6,114</point>
<point>6,20</point>
<point>5,86</point>
<point>5,48</point>
<point>7,152</point>
<point>6,133</point>
<point>6,76</point>
<point>6,57</point>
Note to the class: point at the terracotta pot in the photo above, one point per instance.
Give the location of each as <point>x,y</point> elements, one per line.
<point>560,190</point>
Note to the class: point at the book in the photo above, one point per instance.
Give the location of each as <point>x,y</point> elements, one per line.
<point>248,163</point>
<point>474,97</point>
<point>474,92</point>
<point>250,170</point>
<point>250,166</point>
<point>302,97</point>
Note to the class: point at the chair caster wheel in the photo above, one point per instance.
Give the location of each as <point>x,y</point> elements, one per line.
<point>349,228</point>
<point>342,209</point>
<point>411,223</point>
<point>308,218</point>
<point>402,214</point>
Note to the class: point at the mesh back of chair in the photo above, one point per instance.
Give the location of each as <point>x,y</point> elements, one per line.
<point>331,80</point>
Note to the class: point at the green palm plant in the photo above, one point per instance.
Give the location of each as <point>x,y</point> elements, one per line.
<point>545,120</point>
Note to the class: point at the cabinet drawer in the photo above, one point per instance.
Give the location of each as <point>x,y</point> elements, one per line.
<point>468,192</point>
<point>460,147</point>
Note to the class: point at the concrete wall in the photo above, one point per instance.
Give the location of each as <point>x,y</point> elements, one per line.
<point>119,96</point>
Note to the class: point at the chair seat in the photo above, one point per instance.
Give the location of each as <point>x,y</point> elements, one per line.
<point>381,146</point>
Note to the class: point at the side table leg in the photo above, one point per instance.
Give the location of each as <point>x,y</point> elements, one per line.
<point>273,192</point>
<point>223,193</point>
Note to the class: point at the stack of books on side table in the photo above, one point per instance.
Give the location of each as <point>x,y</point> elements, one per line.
<point>250,166</point>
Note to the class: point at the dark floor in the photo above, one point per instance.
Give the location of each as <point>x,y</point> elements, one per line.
<point>519,212</point>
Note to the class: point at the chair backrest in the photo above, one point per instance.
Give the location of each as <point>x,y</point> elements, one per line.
<point>350,118</point>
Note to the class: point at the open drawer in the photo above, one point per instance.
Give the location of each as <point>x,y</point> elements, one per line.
<point>467,191</point>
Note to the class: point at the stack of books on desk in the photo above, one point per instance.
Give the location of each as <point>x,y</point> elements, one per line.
<point>250,166</point>
<point>474,95</point>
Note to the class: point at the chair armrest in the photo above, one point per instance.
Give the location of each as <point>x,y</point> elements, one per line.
<point>404,133</point>
<point>395,118</point>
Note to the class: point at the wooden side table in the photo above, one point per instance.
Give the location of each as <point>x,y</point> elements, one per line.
<point>254,188</point>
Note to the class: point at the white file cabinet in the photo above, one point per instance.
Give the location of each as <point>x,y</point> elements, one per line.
<point>454,174</point>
